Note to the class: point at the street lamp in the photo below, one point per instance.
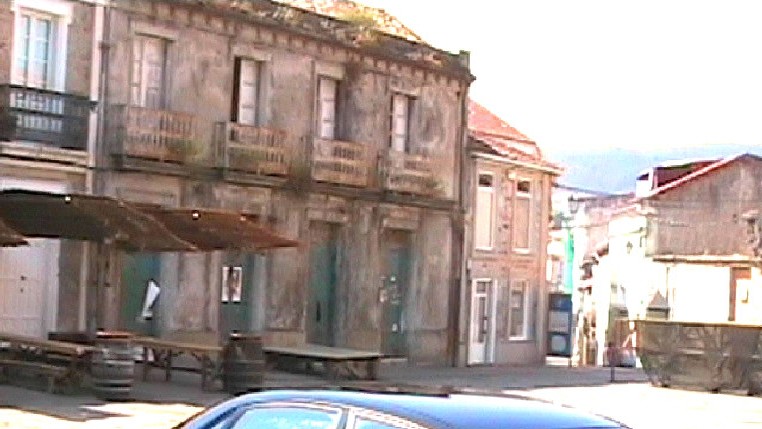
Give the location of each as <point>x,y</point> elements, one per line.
<point>573,205</point>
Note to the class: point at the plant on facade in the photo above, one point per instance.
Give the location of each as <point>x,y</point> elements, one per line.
<point>187,150</point>
<point>434,186</point>
<point>248,159</point>
<point>299,177</point>
<point>366,23</point>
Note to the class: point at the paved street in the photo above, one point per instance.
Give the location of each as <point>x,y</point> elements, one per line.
<point>630,400</point>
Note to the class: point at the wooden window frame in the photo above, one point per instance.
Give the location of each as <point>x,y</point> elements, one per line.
<point>529,197</point>
<point>493,215</point>
<point>524,310</point>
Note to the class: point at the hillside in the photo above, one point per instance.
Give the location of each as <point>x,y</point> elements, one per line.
<point>614,170</point>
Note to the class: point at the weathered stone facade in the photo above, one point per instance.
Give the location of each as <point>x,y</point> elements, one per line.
<point>362,222</point>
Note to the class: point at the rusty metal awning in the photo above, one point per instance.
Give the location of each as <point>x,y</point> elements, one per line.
<point>130,226</point>
<point>218,230</point>
<point>9,237</point>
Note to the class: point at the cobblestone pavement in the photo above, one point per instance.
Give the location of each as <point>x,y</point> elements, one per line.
<point>162,405</point>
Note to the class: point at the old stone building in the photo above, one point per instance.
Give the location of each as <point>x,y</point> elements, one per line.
<point>344,137</point>
<point>504,292</point>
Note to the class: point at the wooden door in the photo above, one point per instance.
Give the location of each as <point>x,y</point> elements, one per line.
<point>236,297</point>
<point>397,281</point>
<point>321,304</point>
<point>481,340</point>
<point>137,270</point>
<point>23,289</point>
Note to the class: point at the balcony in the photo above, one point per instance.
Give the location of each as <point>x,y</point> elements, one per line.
<point>340,162</point>
<point>255,150</point>
<point>156,135</point>
<point>36,115</point>
<point>408,173</point>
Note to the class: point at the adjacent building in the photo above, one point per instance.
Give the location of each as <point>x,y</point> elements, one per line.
<point>684,248</point>
<point>507,184</point>
<point>49,99</point>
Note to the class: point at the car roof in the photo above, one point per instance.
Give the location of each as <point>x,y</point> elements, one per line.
<point>455,410</point>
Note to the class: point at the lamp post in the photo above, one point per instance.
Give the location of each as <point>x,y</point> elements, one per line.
<point>569,225</point>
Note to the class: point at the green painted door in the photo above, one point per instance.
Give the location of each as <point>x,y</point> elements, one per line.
<point>138,269</point>
<point>397,280</point>
<point>236,300</point>
<point>322,286</point>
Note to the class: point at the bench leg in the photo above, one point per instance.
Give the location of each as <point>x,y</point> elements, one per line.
<point>146,364</point>
<point>332,370</point>
<point>168,367</point>
<point>204,369</point>
<point>372,369</point>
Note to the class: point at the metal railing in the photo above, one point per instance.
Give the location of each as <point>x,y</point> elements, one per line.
<point>340,162</point>
<point>256,150</point>
<point>49,117</point>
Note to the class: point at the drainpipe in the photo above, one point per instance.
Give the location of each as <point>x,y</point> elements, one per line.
<point>459,256</point>
<point>92,143</point>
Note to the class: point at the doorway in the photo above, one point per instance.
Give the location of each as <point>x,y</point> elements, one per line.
<point>237,279</point>
<point>29,276</point>
<point>138,270</point>
<point>395,292</point>
<point>481,342</point>
<point>323,277</point>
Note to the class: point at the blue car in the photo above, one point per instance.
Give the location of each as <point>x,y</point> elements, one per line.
<point>356,409</point>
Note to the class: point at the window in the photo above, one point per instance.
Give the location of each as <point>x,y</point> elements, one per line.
<point>522,218</point>
<point>485,212</point>
<point>288,418</point>
<point>35,50</point>
<point>327,107</point>
<point>518,310</point>
<point>400,133</point>
<point>248,92</point>
<point>148,72</point>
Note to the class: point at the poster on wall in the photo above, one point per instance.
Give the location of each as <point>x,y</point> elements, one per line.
<point>232,284</point>
<point>560,325</point>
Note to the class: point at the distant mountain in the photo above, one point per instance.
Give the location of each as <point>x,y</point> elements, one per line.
<point>615,170</point>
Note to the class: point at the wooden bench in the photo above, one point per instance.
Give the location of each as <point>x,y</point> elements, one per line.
<point>56,375</point>
<point>163,351</point>
<point>60,362</point>
<point>354,364</point>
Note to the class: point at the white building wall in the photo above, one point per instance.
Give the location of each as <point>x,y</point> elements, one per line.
<point>699,293</point>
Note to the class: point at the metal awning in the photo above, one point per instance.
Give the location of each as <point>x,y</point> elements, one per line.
<point>130,226</point>
<point>218,230</point>
<point>9,237</point>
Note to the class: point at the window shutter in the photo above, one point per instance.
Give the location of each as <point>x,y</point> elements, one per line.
<point>234,101</point>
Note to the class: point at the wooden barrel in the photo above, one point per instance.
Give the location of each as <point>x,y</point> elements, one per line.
<point>243,365</point>
<point>112,368</point>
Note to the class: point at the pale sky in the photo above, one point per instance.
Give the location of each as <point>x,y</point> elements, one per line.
<point>592,74</point>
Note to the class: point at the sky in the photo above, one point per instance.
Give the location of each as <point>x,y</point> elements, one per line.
<point>592,75</point>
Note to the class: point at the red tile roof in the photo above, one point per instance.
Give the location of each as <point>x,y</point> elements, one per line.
<point>349,10</point>
<point>487,128</point>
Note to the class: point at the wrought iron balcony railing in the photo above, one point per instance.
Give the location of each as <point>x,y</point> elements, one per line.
<point>53,118</point>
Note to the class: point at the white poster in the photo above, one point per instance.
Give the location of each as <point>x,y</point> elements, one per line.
<point>232,283</point>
